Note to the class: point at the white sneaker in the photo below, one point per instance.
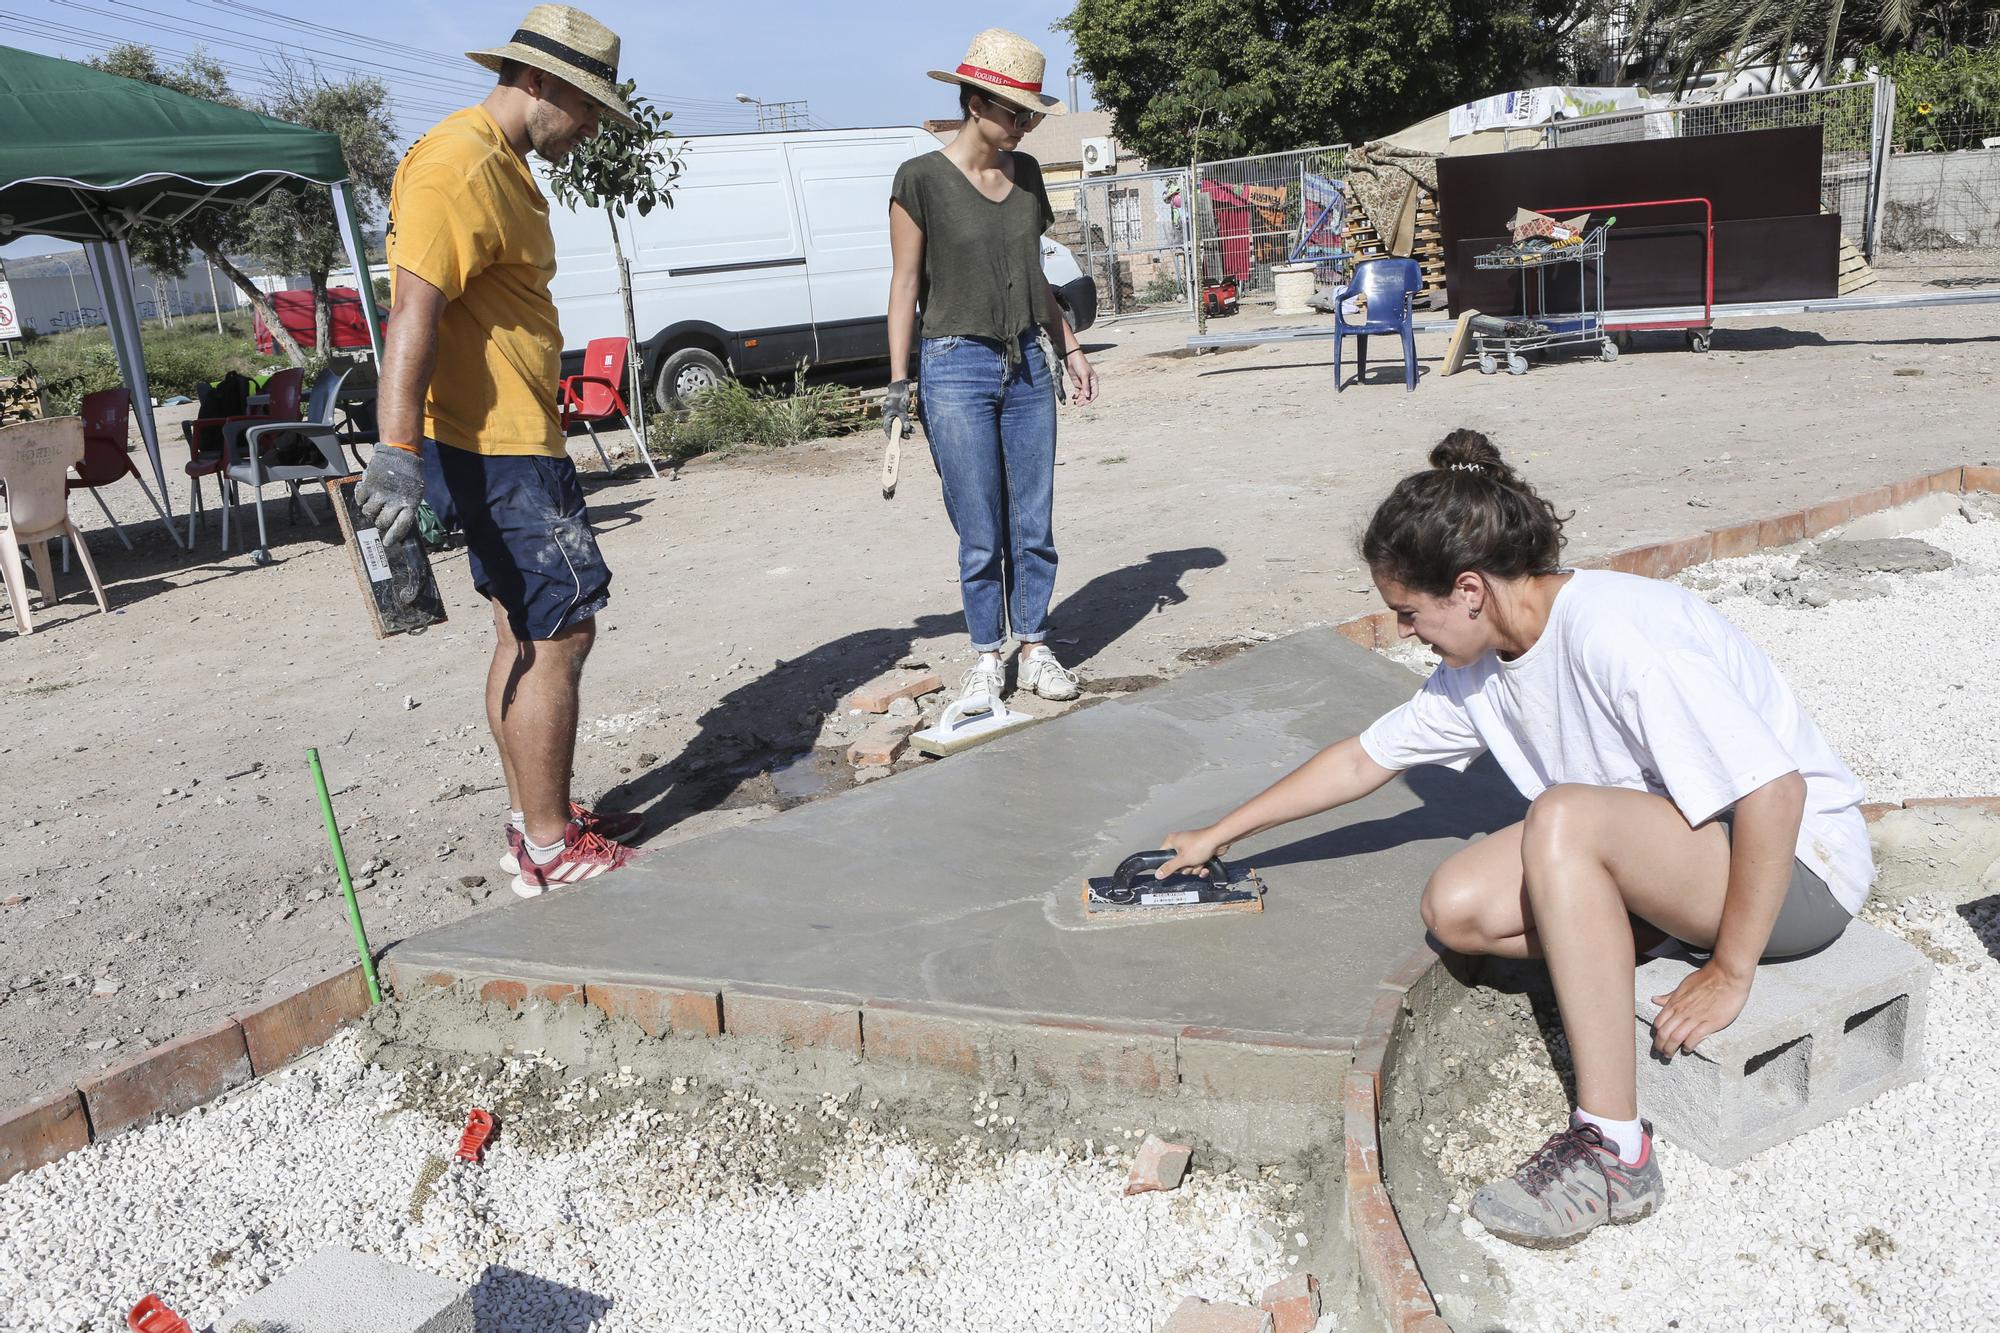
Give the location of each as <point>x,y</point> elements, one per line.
<point>979,689</point>
<point>1040,672</point>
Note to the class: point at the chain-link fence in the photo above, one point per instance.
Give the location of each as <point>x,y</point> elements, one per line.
<point>1941,187</point>
<point>1130,233</point>
<point>1278,208</point>
<point>1854,118</point>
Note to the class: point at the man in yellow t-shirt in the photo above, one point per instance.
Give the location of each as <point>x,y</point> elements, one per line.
<point>467,399</point>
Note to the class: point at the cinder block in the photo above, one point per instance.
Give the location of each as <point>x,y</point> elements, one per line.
<point>337,1291</point>
<point>885,689</point>
<point>1821,1035</point>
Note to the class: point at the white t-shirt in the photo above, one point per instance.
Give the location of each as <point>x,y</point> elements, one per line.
<point>1638,683</point>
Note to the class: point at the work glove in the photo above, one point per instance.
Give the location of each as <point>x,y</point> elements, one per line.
<point>390,490</point>
<point>896,410</point>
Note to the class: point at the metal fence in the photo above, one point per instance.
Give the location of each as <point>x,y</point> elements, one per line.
<point>1941,187</point>
<point>1260,212</point>
<point>1855,117</point>
<point>1130,233</point>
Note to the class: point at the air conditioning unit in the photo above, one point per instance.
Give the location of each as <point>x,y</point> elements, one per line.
<point>1099,155</point>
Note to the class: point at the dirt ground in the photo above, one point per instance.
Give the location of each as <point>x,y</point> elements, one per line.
<point>168,863</point>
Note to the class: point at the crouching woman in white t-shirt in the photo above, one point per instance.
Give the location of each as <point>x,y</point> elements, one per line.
<point>1678,788</point>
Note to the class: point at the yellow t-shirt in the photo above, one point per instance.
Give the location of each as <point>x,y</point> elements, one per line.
<point>467,216</point>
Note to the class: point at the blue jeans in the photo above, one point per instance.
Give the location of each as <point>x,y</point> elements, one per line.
<point>992,432</point>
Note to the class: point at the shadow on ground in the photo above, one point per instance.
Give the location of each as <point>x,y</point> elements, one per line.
<point>1983,915</point>
<point>766,725</point>
<point>506,1298</point>
<point>1455,805</point>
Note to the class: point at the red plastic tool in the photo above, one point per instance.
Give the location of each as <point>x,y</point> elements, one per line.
<point>479,1127</point>
<point>152,1316</point>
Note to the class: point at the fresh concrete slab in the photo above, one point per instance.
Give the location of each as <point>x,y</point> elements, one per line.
<point>960,884</point>
<point>1822,1034</point>
<point>339,1291</point>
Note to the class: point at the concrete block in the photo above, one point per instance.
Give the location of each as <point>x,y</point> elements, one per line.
<point>339,1291</point>
<point>1158,1165</point>
<point>1195,1315</point>
<point>1821,1035</point>
<point>885,689</point>
<point>35,1135</point>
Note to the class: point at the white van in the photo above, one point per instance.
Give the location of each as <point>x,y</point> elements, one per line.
<point>775,251</point>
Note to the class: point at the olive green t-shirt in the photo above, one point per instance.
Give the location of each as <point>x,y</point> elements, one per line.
<point>982,273</point>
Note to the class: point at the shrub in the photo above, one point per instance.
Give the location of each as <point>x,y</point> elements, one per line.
<point>733,414</point>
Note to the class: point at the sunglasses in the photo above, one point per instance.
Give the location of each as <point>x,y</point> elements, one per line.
<point>1023,120</point>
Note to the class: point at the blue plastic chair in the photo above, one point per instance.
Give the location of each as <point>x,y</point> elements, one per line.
<point>1389,285</point>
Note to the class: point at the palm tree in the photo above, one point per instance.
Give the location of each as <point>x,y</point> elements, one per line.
<point>1697,35</point>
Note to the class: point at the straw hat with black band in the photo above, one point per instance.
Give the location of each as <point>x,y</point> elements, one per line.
<point>1007,67</point>
<point>571,45</point>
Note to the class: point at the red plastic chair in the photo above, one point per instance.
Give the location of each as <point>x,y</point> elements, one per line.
<point>206,457</point>
<point>106,422</point>
<point>598,393</point>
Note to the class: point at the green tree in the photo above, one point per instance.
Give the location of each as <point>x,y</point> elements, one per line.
<point>619,169</point>
<point>1229,77</point>
<point>214,232</point>
<point>300,232</point>
<point>1693,36</point>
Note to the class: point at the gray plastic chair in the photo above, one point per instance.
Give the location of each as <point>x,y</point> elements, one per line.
<point>255,439</point>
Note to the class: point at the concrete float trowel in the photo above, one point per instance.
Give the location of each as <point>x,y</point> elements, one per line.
<point>959,728</point>
<point>1133,891</point>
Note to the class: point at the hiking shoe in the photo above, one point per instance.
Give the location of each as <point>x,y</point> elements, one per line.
<point>1042,674</point>
<point>612,827</point>
<point>1574,1183</point>
<point>979,688</point>
<point>584,855</point>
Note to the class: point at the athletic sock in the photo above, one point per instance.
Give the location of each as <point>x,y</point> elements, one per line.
<point>1626,1137</point>
<point>542,855</point>
<point>519,821</point>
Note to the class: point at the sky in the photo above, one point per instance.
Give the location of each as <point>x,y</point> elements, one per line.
<point>853,62</point>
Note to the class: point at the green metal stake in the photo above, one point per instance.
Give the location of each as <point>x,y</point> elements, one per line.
<point>346,882</point>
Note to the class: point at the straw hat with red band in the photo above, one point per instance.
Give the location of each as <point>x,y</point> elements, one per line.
<point>1007,67</point>
<point>574,47</point>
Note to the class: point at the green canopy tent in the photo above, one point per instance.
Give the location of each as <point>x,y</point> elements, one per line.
<point>86,156</point>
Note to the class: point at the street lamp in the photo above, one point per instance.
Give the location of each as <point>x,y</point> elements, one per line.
<point>775,115</point>
<point>76,302</point>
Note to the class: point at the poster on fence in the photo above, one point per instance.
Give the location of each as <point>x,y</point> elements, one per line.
<point>10,322</point>
<point>1539,106</point>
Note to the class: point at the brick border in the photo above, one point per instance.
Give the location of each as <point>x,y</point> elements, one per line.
<point>1391,1282</point>
<point>181,1074</point>
<point>1665,559</point>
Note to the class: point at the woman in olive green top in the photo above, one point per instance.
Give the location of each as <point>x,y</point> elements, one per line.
<point>965,225</point>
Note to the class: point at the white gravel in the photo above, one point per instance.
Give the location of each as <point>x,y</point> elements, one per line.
<point>1901,685</point>
<point>1882,1220</point>
<point>649,1218</point>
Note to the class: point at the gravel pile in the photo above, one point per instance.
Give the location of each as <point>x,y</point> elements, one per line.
<point>1878,1221</point>
<point>604,1205</point>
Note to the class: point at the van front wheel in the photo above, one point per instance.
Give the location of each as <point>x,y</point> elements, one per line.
<point>686,373</point>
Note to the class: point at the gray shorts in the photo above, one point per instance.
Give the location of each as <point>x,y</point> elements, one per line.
<point>1811,917</point>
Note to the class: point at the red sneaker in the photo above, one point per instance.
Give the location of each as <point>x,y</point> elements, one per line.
<point>583,856</point>
<point>613,828</point>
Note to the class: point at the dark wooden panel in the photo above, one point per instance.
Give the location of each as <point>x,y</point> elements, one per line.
<point>1756,259</point>
<point>1757,174</point>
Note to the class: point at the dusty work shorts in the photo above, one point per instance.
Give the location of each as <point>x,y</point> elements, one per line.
<point>527,534</point>
<point>1810,918</point>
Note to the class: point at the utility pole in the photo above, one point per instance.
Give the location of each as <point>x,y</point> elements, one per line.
<point>777,115</point>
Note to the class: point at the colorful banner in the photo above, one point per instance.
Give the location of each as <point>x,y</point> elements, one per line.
<point>1539,106</point>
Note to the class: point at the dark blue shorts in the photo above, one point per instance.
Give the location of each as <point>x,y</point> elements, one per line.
<point>526,532</point>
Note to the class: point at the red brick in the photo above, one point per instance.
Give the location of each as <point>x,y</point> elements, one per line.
<point>1363,1148</point>
<point>1158,1165</point>
<point>1372,1047</point>
<point>39,1133</point>
<point>794,1019</point>
<point>910,1036</point>
<point>1948,482</point>
<point>885,689</point>
<point>1988,804</point>
<point>1063,1053</point>
<point>1727,543</point>
<point>1195,1315</point>
<point>1979,477</point>
<point>1361,630</point>
<point>882,742</point>
<point>1908,489</point>
<point>167,1080</point>
<point>1873,502</point>
<point>1293,1303</point>
<point>283,1030</point>
<point>1665,559</point>
<point>1782,530</point>
<point>1874,810</point>
<point>659,1010</point>
<point>515,992</point>
<point>407,982</point>
<point>1390,1280</point>
<point>1825,517</point>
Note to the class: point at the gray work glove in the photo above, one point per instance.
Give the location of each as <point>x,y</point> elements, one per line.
<point>896,410</point>
<point>390,490</point>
